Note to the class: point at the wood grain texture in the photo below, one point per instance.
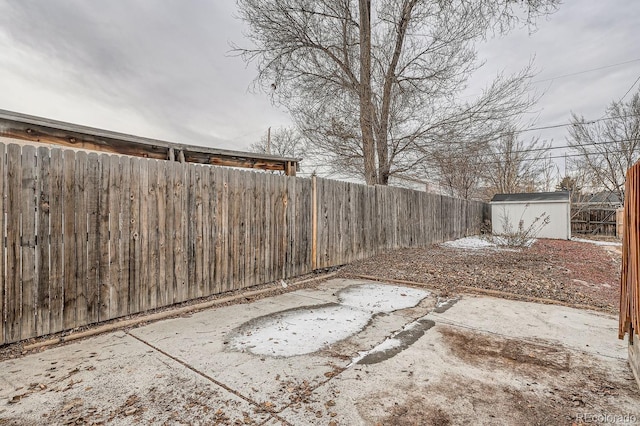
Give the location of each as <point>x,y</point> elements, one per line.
<point>145,234</point>
<point>43,208</point>
<point>630,271</point>
<point>170,234</point>
<point>14,273</point>
<point>135,240</point>
<point>28,242</point>
<point>104,290</point>
<point>153,238</point>
<point>161,212</point>
<point>124,233</point>
<point>92,187</point>
<point>3,281</point>
<point>56,216</point>
<point>70,261</point>
<point>91,237</point>
<point>115,186</point>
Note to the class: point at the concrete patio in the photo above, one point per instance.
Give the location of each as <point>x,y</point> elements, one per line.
<point>347,352</point>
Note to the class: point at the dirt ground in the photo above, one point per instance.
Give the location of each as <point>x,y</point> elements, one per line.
<point>575,273</point>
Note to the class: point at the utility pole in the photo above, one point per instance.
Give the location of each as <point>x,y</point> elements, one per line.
<point>269,141</point>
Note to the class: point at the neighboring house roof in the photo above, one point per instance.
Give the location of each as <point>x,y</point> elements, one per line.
<point>24,127</point>
<point>602,197</point>
<point>532,196</point>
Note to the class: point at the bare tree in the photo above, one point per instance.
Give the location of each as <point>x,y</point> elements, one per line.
<point>514,164</point>
<point>282,141</point>
<point>550,173</point>
<point>371,87</point>
<point>609,147</point>
<point>461,174</point>
<point>480,168</point>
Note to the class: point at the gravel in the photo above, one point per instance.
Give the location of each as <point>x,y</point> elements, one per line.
<point>572,272</point>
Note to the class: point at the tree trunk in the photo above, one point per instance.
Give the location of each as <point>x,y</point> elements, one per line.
<point>382,134</point>
<point>366,106</point>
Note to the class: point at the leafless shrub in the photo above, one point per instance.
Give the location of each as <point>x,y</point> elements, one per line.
<point>520,236</point>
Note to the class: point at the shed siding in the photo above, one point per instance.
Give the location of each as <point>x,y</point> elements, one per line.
<point>559,213</point>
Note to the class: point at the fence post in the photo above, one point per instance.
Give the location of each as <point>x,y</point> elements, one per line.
<point>285,228</point>
<point>314,223</point>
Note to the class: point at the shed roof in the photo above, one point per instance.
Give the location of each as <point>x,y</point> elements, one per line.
<point>532,196</point>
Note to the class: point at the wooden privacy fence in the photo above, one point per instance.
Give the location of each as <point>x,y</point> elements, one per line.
<point>89,237</point>
<point>630,277</point>
<point>594,220</point>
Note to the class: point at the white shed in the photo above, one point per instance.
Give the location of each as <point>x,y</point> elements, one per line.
<point>512,208</point>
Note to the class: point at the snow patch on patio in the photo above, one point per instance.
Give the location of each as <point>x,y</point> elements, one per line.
<point>395,342</point>
<point>308,329</point>
<point>301,331</point>
<point>388,344</point>
<point>377,298</point>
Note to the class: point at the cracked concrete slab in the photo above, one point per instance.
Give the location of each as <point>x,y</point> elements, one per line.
<point>478,364</point>
<point>479,360</point>
<point>273,381</point>
<point>114,379</point>
<point>588,331</point>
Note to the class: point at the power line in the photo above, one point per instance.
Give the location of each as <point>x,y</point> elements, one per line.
<point>315,165</point>
<point>555,126</point>
<point>604,116</point>
<point>522,151</point>
<point>585,71</point>
<point>627,92</point>
<point>574,73</point>
<point>480,161</point>
<point>522,160</point>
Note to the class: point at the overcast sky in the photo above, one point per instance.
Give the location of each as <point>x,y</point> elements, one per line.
<point>162,69</point>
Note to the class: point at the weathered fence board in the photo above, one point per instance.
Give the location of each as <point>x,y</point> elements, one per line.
<point>91,237</point>
<point>2,240</point>
<point>103,239</point>
<point>28,242</point>
<point>124,237</point>
<point>13,272</point>
<point>70,263</point>
<point>43,284</point>
<point>150,294</point>
<point>630,271</point>
<point>56,216</point>
<point>134,237</point>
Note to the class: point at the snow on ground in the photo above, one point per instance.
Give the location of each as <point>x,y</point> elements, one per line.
<point>308,329</point>
<point>474,243</point>
<point>494,242</point>
<point>301,331</point>
<point>377,298</point>
<point>387,344</point>
<point>390,343</point>
<point>598,243</point>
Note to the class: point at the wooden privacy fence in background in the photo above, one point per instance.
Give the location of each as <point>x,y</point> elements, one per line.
<point>89,237</point>
<point>594,220</point>
<point>630,276</point>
